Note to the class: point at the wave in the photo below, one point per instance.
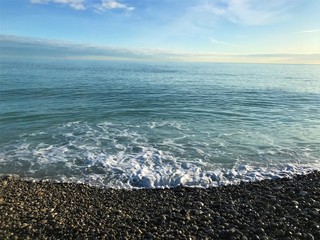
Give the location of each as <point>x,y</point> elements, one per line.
<point>124,156</point>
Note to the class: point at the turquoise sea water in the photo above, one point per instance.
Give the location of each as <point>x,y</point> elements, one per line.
<point>127,124</point>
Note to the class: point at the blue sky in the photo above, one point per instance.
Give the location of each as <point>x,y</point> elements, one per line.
<point>186,30</point>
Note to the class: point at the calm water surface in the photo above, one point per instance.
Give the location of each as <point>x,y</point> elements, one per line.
<point>124,124</point>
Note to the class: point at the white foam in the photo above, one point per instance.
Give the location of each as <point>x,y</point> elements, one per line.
<point>115,156</point>
<point>167,177</point>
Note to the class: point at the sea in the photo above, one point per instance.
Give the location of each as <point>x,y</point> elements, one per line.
<point>131,124</point>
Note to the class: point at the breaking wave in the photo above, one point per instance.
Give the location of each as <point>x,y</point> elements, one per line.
<point>143,156</point>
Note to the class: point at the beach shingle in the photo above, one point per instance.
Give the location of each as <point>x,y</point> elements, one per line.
<point>269,209</point>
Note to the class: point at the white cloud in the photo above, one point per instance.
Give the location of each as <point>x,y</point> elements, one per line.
<point>207,17</point>
<point>75,4</point>
<point>82,4</point>
<point>215,41</point>
<point>248,12</point>
<point>112,4</point>
<point>311,31</point>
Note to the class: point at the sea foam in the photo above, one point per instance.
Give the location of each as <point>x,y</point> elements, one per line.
<point>121,156</point>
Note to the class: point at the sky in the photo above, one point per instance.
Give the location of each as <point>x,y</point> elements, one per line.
<point>271,31</point>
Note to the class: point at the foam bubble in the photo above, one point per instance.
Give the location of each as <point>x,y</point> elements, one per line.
<point>119,156</point>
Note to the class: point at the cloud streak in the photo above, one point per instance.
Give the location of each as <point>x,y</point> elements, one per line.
<point>215,41</point>
<point>111,4</point>
<point>311,31</point>
<point>247,12</point>
<point>102,6</point>
<point>75,4</point>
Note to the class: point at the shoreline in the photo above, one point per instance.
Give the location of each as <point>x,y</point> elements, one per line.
<point>268,209</point>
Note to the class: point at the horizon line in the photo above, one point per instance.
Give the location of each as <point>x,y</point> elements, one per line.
<point>32,47</point>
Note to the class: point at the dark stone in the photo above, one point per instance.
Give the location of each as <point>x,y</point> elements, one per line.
<point>269,209</point>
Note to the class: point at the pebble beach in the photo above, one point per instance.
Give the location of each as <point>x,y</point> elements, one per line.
<point>145,119</point>
<point>269,209</point>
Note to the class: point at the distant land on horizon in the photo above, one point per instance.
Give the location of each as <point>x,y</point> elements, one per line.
<point>27,47</point>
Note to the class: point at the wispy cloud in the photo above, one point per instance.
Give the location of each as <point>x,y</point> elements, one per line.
<point>213,17</point>
<point>112,4</point>
<point>248,12</point>
<point>215,41</point>
<point>75,4</point>
<point>102,6</point>
<point>311,31</point>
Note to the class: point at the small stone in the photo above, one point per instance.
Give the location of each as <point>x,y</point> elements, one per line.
<point>316,226</point>
<point>24,225</point>
<point>150,236</point>
<point>260,231</point>
<point>298,234</point>
<point>256,237</point>
<point>183,211</point>
<point>264,237</point>
<point>200,204</point>
<point>303,193</point>
<point>210,232</point>
<point>4,183</point>
<point>280,232</point>
<point>283,219</point>
<point>310,236</point>
<point>289,233</point>
<point>194,228</point>
<point>119,212</point>
<point>196,212</point>
<point>221,219</point>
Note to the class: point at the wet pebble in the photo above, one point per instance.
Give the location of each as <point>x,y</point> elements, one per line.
<point>270,209</point>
